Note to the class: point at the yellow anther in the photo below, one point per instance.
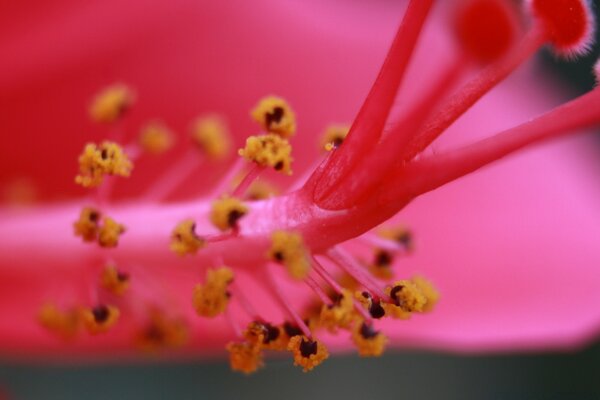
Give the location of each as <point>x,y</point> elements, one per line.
<point>100,319</point>
<point>88,224</point>
<point>406,299</point>
<point>161,332</point>
<point>114,281</point>
<point>91,227</point>
<point>111,103</point>
<point>374,306</point>
<point>64,324</point>
<point>260,190</point>
<point>340,314</point>
<point>156,138</point>
<point>226,212</point>
<point>288,248</point>
<point>244,357</point>
<point>266,336</point>
<point>269,151</point>
<point>211,298</point>
<point>369,342</point>
<point>430,293</point>
<point>334,136</point>
<point>95,162</point>
<point>308,353</point>
<point>382,264</point>
<point>184,239</point>
<point>212,137</point>
<point>275,115</point>
<point>400,234</point>
<point>110,232</point>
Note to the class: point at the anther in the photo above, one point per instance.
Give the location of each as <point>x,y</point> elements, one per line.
<point>156,138</point>
<point>162,331</point>
<point>97,161</point>
<point>244,357</point>
<point>275,116</point>
<point>340,314</point>
<point>211,135</point>
<point>64,324</point>
<point>88,224</point>
<point>111,103</point>
<point>265,336</point>
<point>368,341</point>
<point>269,150</point>
<point>184,239</point>
<point>226,212</point>
<point>212,297</point>
<point>100,319</point>
<point>334,136</point>
<point>110,232</point>
<point>307,353</point>
<point>400,235</point>
<point>287,248</point>
<point>114,281</point>
<point>373,305</point>
<point>409,296</point>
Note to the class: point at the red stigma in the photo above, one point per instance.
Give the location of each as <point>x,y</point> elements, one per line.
<point>568,23</point>
<point>486,28</point>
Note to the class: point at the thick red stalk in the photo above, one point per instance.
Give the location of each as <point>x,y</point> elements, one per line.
<point>429,173</point>
<point>367,173</point>
<point>369,123</point>
<point>474,90</point>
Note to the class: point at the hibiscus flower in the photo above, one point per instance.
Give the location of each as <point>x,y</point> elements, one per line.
<point>188,272</point>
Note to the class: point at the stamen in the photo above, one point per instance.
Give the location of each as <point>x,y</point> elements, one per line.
<point>244,357</point>
<point>406,299</point>
<point>247,181</point>
<point>65,324</point>
<point>212,137</point>
<point>100,318</point>
<point>275,116</point>
<point>308,353</point>
<point>90,229</point>
<point>265,336</point>
<point>280,297</point>
<point>88,224</point>
<point>368,341</point>
<point>98,161</point>
<point>340,314</point>
<point>184,239</point>
<point>350,266</point>
<point>226,212</point>
<point>110,232</point>
<point>318,291</point>
<point>269,150</point>
<point>287,248</point>
<point>156,138</point>
<point>114,281</point>
<point>337,287</point>
<point>334,136</point>
<point>211,298</point>
<point>161,331</point>
<point>110,104</point>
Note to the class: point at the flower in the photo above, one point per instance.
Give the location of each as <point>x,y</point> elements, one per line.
<point>496,293</point>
